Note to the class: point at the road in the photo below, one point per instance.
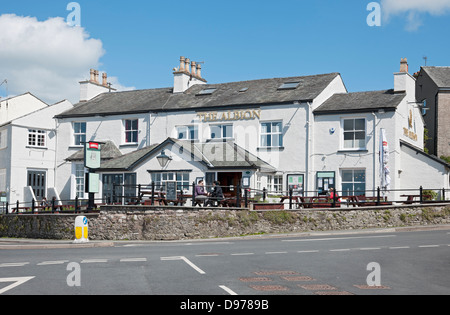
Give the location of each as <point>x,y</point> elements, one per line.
<point>369,263</point>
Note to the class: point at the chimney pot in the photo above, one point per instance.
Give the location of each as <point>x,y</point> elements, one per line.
<point>199,70</point>
<point>187,64</point>
<point>182,63</point>
<point>96,76</point>
<point>105,79</point>
<point>194,68</point>
<point>92,75</point>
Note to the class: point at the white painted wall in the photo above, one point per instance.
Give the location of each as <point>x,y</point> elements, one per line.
<point>21,157</point>
<point>19,106</point>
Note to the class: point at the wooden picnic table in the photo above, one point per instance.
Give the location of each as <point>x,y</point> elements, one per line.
<point>160,198</point>
<point>311,202</point>
<point>410,198</point>
<point>366,201</point>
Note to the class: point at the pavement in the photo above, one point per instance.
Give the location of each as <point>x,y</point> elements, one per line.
<point>13,243</point>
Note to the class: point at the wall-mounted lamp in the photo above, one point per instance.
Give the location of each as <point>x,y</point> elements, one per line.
<point>163,159</point>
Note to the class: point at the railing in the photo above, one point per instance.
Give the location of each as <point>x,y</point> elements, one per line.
<point>236,197</point>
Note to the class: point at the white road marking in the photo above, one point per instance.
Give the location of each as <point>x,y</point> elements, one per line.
<point>48,263</point>
<point>338,238</point>
<point>186,261</point>
<point>228,290</point>
<point>400,247</point>
<point>133,259</point>
<point>370,248</point>
<point>14,264</point>
<point>428,246</point>
<point>94,261</point>
<point>17,282</point>
<point>275,253</point>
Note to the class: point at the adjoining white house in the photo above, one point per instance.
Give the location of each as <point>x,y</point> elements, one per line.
<point>28,145</point>
<point>304,132</point>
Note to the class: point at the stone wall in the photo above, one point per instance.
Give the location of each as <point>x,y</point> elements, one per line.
<point>122,223</point>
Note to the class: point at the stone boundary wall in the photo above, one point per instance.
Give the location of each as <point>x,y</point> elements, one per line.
<point>168,223</point>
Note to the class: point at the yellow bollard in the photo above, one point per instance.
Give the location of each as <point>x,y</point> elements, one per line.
<point>81,230</point>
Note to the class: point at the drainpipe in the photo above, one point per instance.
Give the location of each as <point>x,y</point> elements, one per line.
<point>374,152</point>
<point>309,163</point>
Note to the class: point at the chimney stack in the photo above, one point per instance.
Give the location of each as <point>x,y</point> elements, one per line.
<point>187,75</point>
<point>404,65</point>
<point>92,87</point>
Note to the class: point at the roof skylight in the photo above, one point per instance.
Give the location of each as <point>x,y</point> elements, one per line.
<point>208,91</point>
<point>289,85</point>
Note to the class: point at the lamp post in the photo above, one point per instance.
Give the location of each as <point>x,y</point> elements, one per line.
<point>163,159</point>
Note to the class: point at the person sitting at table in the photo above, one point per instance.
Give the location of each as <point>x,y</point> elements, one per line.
<point>215,195</point>
<point>332,194</point>
<point>200,193</point>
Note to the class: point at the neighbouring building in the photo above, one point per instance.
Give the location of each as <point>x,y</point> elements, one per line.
<point>304,132</point>
<point>433,91</point>
<point>28,145</point>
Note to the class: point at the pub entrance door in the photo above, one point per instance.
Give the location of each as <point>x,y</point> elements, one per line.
<point>229,182</point>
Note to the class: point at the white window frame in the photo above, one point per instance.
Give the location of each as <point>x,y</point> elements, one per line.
<point>222,130</point>
<point>79,181</point>
<point>271,134</point>
<point>354,131</point>
<point>187,130</point>
<point>79,134</point>
<point>125,131</point>
<point>353,182</point>
<point>275,184</point>
<point>182,179</point>
<point>37,138</point>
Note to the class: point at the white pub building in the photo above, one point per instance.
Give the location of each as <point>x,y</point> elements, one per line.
<point>307,133</point>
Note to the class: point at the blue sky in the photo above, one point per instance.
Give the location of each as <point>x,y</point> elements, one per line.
<point>244,40</point>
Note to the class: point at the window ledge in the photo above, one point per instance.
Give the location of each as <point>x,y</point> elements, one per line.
<point>134,144</point>
<point>33,147</point>
<point>353,151</point>
<point>269,149</point>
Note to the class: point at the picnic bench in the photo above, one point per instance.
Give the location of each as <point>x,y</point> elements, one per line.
<point>366,201</point>
<point>159,198</point>
<point>410,199</point>
<point>311,202</point>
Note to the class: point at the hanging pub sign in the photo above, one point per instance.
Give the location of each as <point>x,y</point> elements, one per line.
<point>92,155</point>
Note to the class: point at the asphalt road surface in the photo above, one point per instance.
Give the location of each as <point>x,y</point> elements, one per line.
<point>385,262</point>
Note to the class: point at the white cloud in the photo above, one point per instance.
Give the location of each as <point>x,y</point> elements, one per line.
<point>47,58</point>
<point>414,10</point>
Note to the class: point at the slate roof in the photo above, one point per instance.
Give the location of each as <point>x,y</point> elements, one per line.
<point>259,92</point>
<point>214,154</point>
<point>108,151</point>
<point>440,75</point>
<point>361,102</point>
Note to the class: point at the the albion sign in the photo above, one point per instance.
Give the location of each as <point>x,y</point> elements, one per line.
<point>248,114</point>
